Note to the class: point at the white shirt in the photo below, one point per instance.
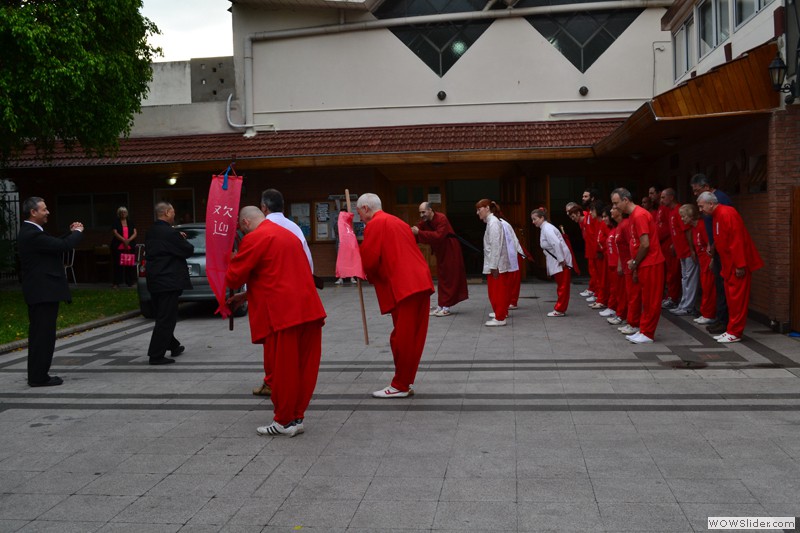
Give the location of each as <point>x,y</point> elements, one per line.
<point>512,245</point>
<point>495,254</point>
<point>284,222</point>
<point>552,242</point>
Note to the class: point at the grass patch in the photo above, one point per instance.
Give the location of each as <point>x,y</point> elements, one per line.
<point>87,305</point>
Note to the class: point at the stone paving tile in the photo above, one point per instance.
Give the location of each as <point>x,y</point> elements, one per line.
<point>376,515</point>
<point>88,508</point>
<point>315,513</point>
<point>471,516</point>
<point>574,516</point>
<point>710,491</point>
<point>143,527</point>
<point>122,484</point>
<point>631,489</point>
<point>698,513</point>
<point>172,509</point>
<point>555,490</point>
<point>404,489</point>
<point>56,483</point>
<point>145,463</point>
<point>207,485</point>
<point>54,526</point>
<point>476,490</point>
<point>27,506</point>
<point>644,517</point>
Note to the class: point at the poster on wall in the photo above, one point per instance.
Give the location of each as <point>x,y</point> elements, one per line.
<point>301,215</point>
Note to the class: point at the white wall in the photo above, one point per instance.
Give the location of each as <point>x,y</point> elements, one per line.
<point>171,84</point>
<point>181,119</point>
<point>370,78</point>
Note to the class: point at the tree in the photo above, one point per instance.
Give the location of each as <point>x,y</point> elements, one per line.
<point>72,71</point>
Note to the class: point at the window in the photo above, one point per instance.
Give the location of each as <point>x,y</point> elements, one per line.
<point>683,49</point>
<point>744,10</point>
<point>723,20</point>
<point>705,27</point>
<point>97,211</point>
<point>439,45</point>
<point>583,37</point>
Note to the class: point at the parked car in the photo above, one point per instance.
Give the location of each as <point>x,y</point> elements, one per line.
<point>201,291</point>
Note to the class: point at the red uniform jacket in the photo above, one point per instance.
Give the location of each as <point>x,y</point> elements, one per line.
<point>733,242</point>
<point>439,234</point>
<point>393,262</point>
<point>280,288</point>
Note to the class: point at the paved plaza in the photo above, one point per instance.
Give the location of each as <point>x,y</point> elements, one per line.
<point>547,424</point>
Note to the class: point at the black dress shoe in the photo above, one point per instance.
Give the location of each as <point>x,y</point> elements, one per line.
<point>177,351</point>
<point>52,382</point>
<point>161,360</point>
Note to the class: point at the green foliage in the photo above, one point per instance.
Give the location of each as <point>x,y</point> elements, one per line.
<point>87,305</point>
<point>71,70</point>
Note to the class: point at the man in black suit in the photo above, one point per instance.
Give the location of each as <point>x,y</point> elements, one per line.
<point>166,251</point>
<point>44,285</point>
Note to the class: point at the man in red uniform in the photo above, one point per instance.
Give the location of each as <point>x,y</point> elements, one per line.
<point>647,267</point>
<point>661,211</point>
<point>285,312</point>
<point>434,229</point>
<point>739,260</point>
<point>681,268</point>
<point>589,234</point>
<point>403,285</point>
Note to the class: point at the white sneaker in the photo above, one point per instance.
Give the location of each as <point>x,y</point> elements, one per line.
<point>587,293</point>
<point>668,303</point>
<point>556,313</point>
<point>608,312</point>
<point>444,311</point>
<point>435,310</point>
<point>628,330</point>
<point>639,338</point>
<point>703,320</point>
<point>614,320</point>
<point>493,323</point>
<point>391,392</point>
<point>512,307</point>
<point>339,281</point>
<point>354,281</point>
<point>727,337</point>
<point>275,429</point>
<point>491,315</point>
<point>591,299</point>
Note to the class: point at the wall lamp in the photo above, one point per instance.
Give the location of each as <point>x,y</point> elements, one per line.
<point>777,74</point>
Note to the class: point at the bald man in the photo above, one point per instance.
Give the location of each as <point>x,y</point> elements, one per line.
<point>285,313</point>
<point>435,230</point>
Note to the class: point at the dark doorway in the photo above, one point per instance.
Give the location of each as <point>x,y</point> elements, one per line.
<point>461,199</point>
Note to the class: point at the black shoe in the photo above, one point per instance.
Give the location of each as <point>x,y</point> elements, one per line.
<point>53,381</point>
<point>177,351</point>
<point>161,360</point>
<point>719,327</point>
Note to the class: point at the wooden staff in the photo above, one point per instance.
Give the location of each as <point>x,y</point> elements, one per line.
<point>360,290</point>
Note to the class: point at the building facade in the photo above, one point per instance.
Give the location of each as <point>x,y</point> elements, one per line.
<point>525,102</point>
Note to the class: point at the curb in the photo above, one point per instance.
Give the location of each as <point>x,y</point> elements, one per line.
<point>23,343</point>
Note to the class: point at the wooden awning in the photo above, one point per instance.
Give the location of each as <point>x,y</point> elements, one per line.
<point>715,101</point>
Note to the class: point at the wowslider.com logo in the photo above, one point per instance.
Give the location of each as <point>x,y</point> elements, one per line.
<point>751,522</point>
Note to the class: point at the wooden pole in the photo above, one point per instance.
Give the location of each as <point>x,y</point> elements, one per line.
<point>360,290</point>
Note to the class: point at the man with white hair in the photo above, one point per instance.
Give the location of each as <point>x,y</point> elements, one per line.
<point>285,314</point>
<point>739,260</point>
<point>403,285</point>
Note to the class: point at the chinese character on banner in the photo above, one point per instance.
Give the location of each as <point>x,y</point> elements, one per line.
<point>221,223</point>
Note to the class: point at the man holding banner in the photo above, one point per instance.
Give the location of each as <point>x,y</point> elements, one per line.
<point>286,315</point>
<point>403,285</point>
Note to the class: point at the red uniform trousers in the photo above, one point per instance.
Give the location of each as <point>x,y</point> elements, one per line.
<point>410,320</point>
<point>737,293</point>
<point>672,273</point>
<point>499,294</point>
<point>592,275</point>
<point>268,357</point>
<point>612,282</point>
<point>708,286</point>
<point>562,289</point>
<point>648,292</point>
<point>295,368</point>
<point>514,285</point>
<point>622,294</point>
<point>634,300</point>
<point>602,281</point>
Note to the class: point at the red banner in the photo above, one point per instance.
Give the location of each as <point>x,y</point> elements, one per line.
<point>348,260</point>
<point>222,221</point>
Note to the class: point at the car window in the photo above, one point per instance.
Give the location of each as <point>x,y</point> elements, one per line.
<point>196,236</point>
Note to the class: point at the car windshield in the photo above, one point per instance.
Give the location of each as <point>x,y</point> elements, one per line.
<point>196,236</point>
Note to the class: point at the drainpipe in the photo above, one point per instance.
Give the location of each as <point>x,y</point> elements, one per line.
<point>407,21</point>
